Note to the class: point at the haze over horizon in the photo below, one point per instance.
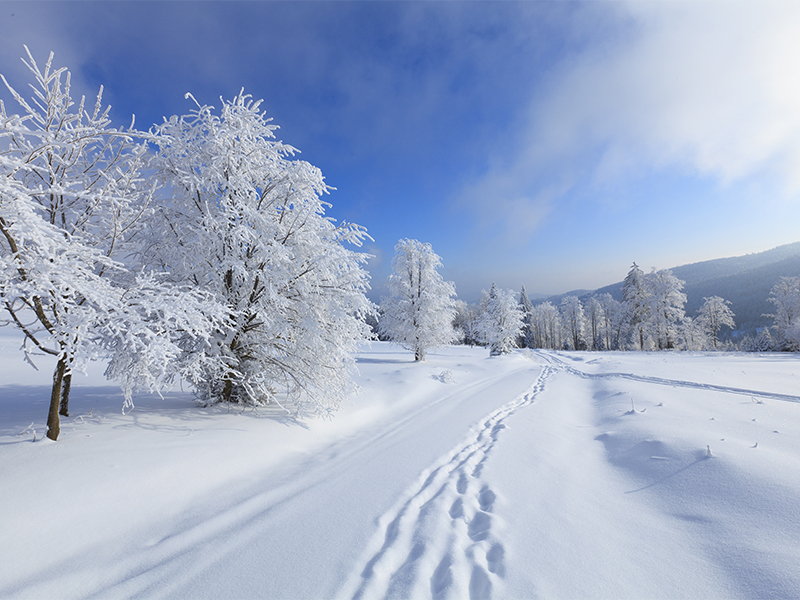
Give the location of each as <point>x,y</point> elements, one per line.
<point>539,143</point>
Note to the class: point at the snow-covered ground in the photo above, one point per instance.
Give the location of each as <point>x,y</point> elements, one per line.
<point>535,475</point>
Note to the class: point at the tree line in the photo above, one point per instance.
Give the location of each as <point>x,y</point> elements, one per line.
<point>423,312</point>
<point>201,250</point>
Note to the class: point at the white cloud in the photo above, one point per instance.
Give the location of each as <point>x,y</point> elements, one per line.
<point>43,28</point>
<point>714,86</point>
<point>709,88</point>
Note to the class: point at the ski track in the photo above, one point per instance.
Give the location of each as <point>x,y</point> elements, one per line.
<point>441,540</point>
<point>559,364</point>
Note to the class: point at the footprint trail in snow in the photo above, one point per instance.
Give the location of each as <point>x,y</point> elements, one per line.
<point>441,540</point>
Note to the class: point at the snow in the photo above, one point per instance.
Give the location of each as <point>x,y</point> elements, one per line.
<point>527,475</point>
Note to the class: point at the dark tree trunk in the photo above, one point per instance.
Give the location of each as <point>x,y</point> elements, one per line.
<point>64,410</point>
<point>53,426</point>
<point>227,390</point>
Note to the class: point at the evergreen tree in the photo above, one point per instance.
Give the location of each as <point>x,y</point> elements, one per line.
<point>527,338</point>
<point>501,320</point>
<point>763,341</point>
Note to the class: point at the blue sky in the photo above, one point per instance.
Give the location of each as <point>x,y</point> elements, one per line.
<point>548,144</point>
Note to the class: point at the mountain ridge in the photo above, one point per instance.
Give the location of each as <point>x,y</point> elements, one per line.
<point>745,281</point>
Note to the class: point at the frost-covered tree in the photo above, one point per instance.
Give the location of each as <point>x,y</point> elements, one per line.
<point>785,295</point>
<point>636,304</point>
<point>665,312</point>
<point>594,321</point>
<point>612,321</point>
<point>713,316</point>
<point>573,319</point>
<point>465,323</point>
<point>692,336</point>
<point>246,222</point>
<point>761,343</point>
<point>527,339</point>
<point>72,199</point>
<point>501,320</point>
<point>418,314</point>
<point>548,332</point>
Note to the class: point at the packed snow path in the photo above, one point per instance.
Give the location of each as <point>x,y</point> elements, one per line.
<point>445,527</point>
<point>536,475</point>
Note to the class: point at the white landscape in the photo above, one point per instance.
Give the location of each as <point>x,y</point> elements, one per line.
<point>538,474</point>
<point>212,415</point>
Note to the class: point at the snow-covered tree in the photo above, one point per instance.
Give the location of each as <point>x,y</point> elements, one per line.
<point>527,339</point>
<point>420,310</point>
<point>501,320</point>
<point>636,304</point>
<point>246,223</point>
<point>666,302</point>
<point>692,336</point>
<point>465,323</point>
<point>72,199</point>
<point>573,320</point>
<point>761,343</point>
<point>548,332</point>
<point>713,316</point>
<point>612,322</point>
<point>785,295</point>
<point>593,315</point>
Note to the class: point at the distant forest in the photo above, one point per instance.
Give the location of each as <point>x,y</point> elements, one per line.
<point>745,281</point>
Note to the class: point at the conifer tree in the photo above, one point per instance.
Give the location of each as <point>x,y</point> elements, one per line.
<point>501,320</point>
<point>527,338</point>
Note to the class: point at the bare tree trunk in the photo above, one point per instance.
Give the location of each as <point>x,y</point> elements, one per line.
<point>53,426</point>
<point>227,391</point>
<point>64,410</point>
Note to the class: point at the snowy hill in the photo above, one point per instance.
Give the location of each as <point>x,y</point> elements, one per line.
<point>569,475</point>
<point>556,299</point>
<point>744,280</point>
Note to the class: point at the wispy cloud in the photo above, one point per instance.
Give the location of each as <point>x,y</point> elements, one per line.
<point>708,89</point>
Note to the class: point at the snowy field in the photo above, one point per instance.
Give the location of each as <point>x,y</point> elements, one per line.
<point>536,475</point>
